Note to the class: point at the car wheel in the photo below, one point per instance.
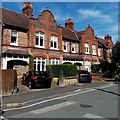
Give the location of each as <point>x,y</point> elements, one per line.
<point>30,85</point>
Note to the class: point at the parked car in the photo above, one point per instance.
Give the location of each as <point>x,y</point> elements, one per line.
<point>84,76</point>
<point>36,79</point>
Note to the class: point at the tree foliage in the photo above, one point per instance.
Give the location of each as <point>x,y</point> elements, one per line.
<point>116,53</point>
<point>95,68</point>
<point>31,63</point>
<point>108,69</point>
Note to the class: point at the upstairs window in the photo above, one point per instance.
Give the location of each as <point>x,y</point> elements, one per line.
<point>64,45</point>
<point>99,52</point>
<point>93,49</point>
<point>87,48</point>
<point>14,37</point>
<point>40,38</point>
<point>54,42</point>
<point>73,47</point>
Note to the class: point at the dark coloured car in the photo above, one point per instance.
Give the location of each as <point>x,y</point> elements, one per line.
<point>36,79</point>
<point>84,76</point>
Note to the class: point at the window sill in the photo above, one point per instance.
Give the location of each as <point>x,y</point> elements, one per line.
<point>87,53</point>
<point>39,46</point>
<point>73,52</point>
<point>54,48</point>
<point>65,51</point>
<point>94,54</point>
<point>15,44</point>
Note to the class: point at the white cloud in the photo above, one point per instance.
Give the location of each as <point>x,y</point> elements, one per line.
<point>87,14</point>
<point>60,15</point>
<point>61,18</point>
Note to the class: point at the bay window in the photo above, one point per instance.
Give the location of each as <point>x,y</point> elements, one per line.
<point>53,61</point>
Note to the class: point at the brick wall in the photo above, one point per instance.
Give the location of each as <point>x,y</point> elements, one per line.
<point>89,38</point>
<point>22,38</point>
<point>46,24</point>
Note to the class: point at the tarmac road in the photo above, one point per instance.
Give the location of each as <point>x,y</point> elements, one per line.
<point>97,101</point>
<point>41,94</point>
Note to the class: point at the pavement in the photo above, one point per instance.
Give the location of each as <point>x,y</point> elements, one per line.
<point>27,96</point>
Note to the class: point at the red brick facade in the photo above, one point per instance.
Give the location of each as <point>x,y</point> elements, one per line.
<point>50,43</point>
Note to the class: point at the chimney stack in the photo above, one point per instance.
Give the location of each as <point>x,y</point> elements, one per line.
<point>28,9</point>
<point>69,24</point>
<point>108,37</point>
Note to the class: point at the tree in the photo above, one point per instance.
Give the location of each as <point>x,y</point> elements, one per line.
<point>31,63</point>
<point>116,53</point>
<point>108,69</point>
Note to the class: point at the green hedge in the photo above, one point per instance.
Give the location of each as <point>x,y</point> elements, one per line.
<point>95,68</point>
<point>67,69</point>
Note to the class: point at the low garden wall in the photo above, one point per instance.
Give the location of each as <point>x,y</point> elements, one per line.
<point>95,77</point>
<point>68,81</point>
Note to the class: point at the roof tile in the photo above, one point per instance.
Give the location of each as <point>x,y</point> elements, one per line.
<point>13,18</point>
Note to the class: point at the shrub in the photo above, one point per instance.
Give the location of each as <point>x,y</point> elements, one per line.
<point>95,68</point>
<point>67,69</point>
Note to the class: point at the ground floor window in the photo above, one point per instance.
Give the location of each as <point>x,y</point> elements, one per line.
<point>53,61</point>
<point>39,64</point>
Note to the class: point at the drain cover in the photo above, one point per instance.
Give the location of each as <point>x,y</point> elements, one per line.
<point>85,106</point>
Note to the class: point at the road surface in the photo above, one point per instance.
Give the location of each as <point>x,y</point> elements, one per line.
<point>97,102</point>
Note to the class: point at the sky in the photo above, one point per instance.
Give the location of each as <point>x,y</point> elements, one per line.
<point>102,16</point>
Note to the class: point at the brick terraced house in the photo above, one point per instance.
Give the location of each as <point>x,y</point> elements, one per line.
<point>83,48</point>
<point>24,36</point>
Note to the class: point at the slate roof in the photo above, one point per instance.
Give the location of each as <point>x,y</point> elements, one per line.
<point>77,57</point>
<point>12,18</point>
<point>15,52</point>
<point>79,33</point>
<point>68,34</point>
<point>102,42</point>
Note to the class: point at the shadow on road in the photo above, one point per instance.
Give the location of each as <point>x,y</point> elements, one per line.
<point>108,91</point>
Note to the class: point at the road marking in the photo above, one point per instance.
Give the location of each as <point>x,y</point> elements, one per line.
<point>77,90</point>
<point>2,118</point>
<point>53,107</point>
<point>65,96</point>
<point>92,116</point>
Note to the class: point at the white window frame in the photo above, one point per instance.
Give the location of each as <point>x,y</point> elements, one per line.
<point>65,46</point>
<point>73,46</point>
<point>99,52</point>
<point>15,32</point>
<point>38,63</point>
<point>93,49</point>
<point>54,40</point>
<point>87,48</point>
<point>53,61</point>
<point>40,35</point>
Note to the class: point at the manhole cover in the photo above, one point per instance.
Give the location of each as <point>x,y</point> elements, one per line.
<point>85,106</point>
